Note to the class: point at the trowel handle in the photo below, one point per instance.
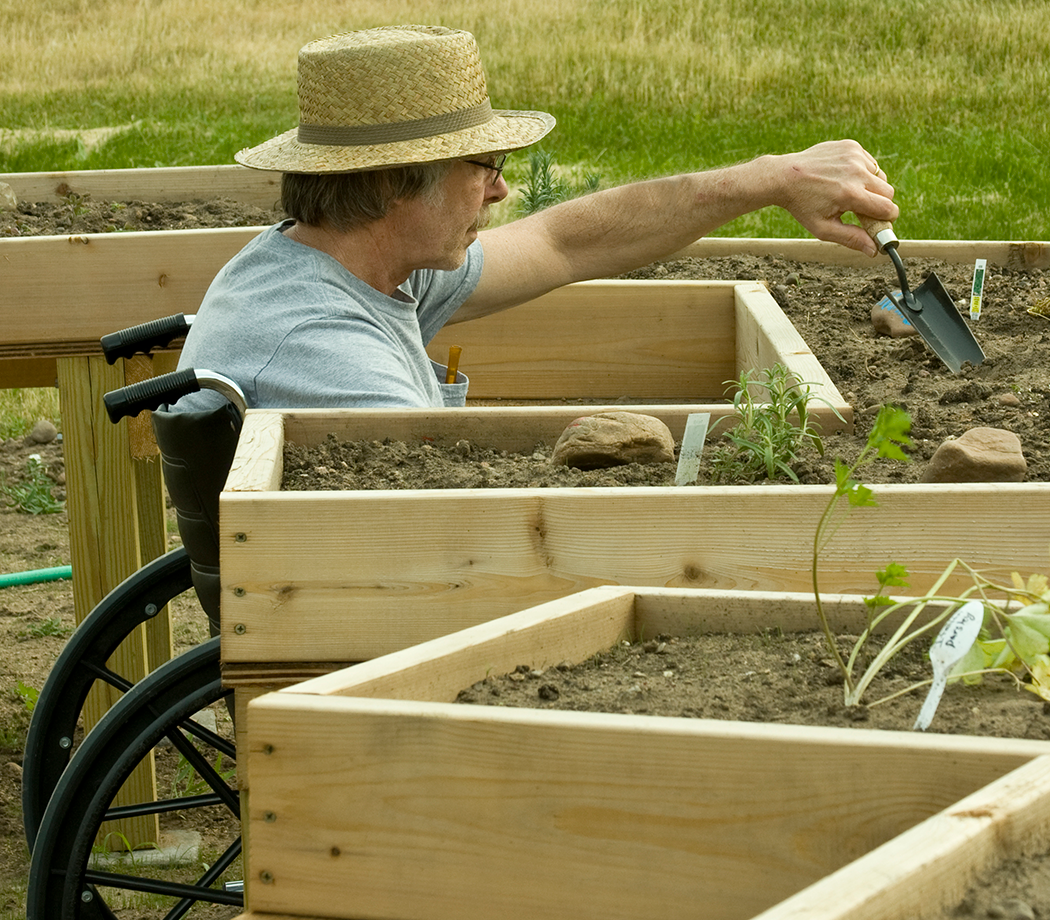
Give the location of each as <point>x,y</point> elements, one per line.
<point>881,231</point>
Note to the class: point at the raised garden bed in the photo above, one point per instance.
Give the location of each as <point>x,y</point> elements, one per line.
<point>319,576</point>
<point>373,792</point>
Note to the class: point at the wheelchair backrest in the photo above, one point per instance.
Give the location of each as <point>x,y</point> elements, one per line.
<point>196,449</point>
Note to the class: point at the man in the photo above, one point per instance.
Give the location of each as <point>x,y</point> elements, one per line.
<point>388,179</point>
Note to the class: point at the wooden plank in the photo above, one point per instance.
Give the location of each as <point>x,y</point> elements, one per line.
<point>765,337</point>
<point>107,281</point>
<point>1020,255</point>
<point>262,188</point>
<point>575,626</point>
<point>28,372</point>
<point>600,340</point>
<point>438,560</point>
<point>104,542</point>
<point>258,463</point>
<point>926,871</point>
<point>516,428</point>
<point>176,183</point>
<point>692,611</point>
<point>424,810</point>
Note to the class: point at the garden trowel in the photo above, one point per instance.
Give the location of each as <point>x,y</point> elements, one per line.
<point>929,308</point>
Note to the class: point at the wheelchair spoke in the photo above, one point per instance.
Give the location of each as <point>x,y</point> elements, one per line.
<point>108,675</point>
<point>192,893</point>
<point>163,806</point>
<point>218,867</point>
<point>207,772</point>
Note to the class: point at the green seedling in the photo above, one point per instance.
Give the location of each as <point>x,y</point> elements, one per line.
<point>76,204</point>
<point>767,437</point>
<point>34,495</point>
<point>1015,638</point>
<point>887,439</point>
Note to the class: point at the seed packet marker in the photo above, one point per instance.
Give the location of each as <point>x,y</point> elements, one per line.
<point>955,639</point>
<point>977,290</point>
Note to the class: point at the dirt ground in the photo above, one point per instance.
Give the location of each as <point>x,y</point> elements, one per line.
<point>830,308</point>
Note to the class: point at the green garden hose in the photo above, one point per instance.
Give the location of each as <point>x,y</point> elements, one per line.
<point>37,575</point>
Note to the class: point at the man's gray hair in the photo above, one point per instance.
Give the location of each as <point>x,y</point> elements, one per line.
<point>347,200</point>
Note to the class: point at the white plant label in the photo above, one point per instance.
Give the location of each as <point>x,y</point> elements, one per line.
<point>955,639</point>
<point>692,448</point>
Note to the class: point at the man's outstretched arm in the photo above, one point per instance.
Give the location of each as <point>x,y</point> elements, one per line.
<point>613,231</point>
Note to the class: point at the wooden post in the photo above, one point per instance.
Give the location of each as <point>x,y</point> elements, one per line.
<point>116,525</point>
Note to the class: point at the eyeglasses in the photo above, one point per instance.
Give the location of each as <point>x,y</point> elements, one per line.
<point>496,166</point>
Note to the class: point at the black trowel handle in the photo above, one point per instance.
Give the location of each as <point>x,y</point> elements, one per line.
<point>881,231</point>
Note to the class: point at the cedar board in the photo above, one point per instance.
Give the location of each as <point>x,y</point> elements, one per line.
<point>371,791</point>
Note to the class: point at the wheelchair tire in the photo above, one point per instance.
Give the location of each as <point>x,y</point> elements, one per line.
<point>65,882</point>
<point>49,742</point>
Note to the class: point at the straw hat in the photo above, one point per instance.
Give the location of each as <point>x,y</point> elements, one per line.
<point>390,97</point>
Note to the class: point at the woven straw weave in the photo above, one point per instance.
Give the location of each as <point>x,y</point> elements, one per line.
<point>391,96</point>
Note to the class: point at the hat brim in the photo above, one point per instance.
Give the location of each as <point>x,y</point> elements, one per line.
<point>505,131</point>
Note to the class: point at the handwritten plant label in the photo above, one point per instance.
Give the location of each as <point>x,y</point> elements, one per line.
<point>955,639</point>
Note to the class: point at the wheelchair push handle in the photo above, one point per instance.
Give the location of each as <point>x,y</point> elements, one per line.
<point>169,388</point>
<point>157,333</point>
<point>150,394</point>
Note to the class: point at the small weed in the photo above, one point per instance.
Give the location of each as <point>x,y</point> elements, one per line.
<point>188,782</point>
<point>76,204</point>
<point>52,626</point>
<point>28,695</point>
<point>12,738</point>
<point>34,495</point>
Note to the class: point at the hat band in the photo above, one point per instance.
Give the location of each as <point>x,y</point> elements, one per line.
<point>368,135</point>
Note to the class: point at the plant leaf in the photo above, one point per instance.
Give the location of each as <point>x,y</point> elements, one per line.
<point>890,433</point>
<point>894,575</point>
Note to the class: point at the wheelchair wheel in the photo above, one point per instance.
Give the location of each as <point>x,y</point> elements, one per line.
<point>50,740</point>
<point>164,713</point>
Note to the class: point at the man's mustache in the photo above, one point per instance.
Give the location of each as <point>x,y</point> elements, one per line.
<point>482,220</point>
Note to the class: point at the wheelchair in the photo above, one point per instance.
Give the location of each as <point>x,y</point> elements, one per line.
<point>69,790</point>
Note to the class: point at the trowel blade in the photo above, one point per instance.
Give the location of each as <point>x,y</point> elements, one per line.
<point>941,324</point>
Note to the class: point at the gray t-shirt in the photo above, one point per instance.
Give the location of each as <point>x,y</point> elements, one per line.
<point>293,328</point>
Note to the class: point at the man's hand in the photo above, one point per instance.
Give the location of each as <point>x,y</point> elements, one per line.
<point>820,184</point>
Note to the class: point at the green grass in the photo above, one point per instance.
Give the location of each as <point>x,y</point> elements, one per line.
<point>22,408</point>
<point>950,95</point>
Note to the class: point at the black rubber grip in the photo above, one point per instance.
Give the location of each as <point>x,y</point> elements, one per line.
<point>149,394</point>
<point>157,333</point>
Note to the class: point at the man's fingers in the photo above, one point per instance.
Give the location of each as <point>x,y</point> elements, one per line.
<point>835,230</point>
